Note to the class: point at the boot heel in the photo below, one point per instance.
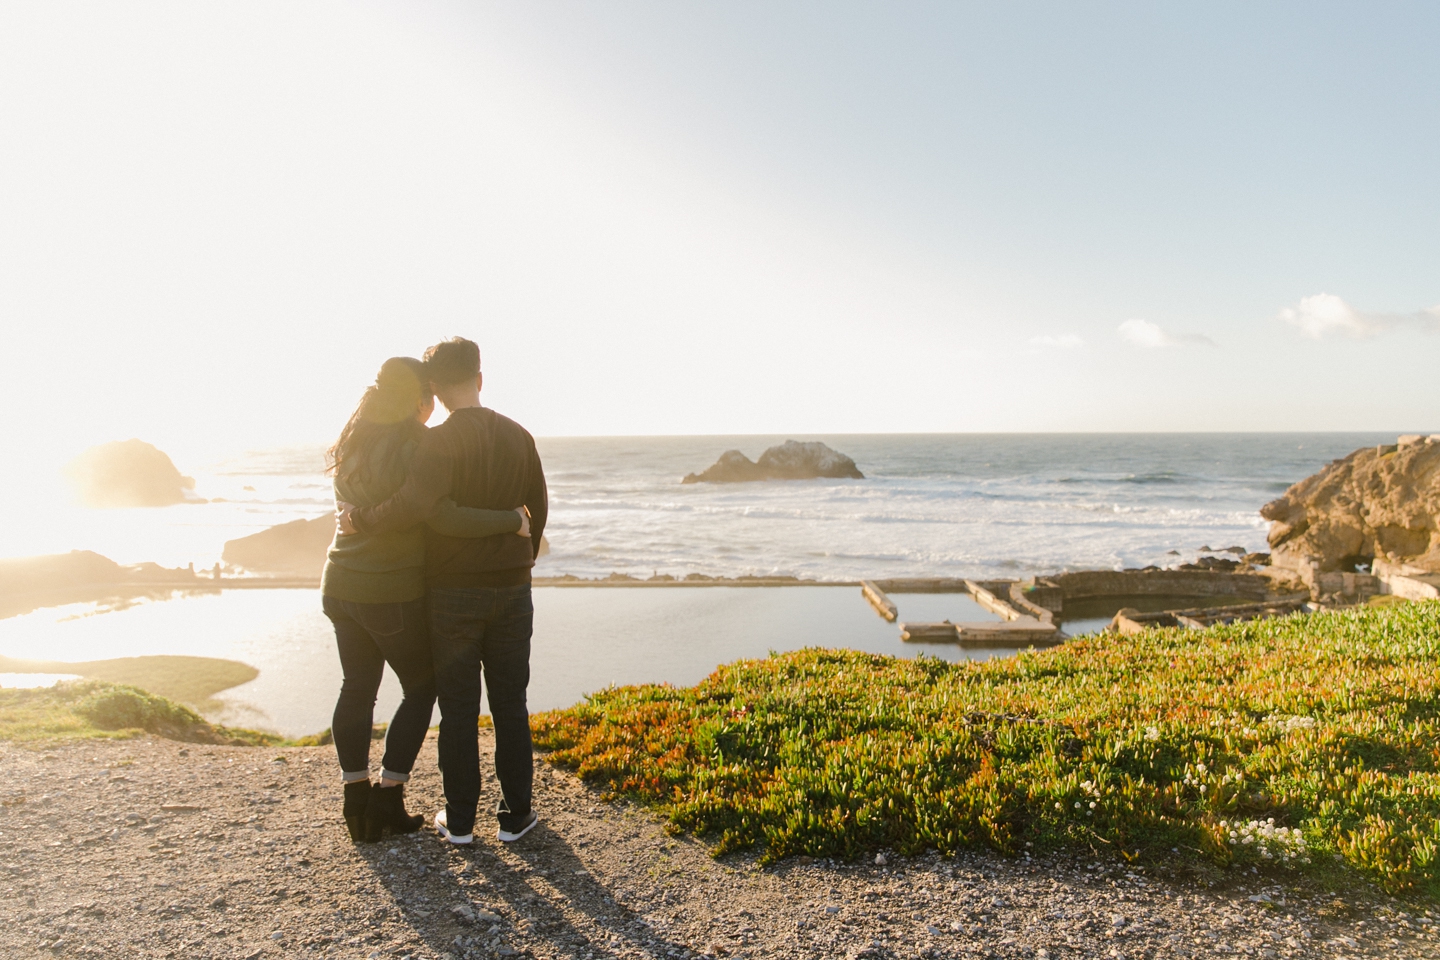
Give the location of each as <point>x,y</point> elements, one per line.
<point>386,813</point>
<point>357,802</point>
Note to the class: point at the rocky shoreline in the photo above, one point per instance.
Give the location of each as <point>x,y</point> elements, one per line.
<point>166,849</point>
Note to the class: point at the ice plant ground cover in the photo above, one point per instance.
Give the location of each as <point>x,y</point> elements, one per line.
<point>1316,737</point>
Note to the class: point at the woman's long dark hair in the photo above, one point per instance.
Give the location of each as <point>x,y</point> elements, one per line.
<point>387,405</point>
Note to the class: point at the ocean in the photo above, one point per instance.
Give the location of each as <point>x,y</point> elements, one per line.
<point>982,505</point>
<point>931,505</point>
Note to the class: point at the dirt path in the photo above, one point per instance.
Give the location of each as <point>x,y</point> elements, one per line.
<point>154,848</point>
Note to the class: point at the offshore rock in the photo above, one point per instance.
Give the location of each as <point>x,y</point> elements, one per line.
<point>1378,505</point>
<point>297,548</point>
<point>294,549</point>
<point>127,473</point>
<point>732,467</point>
<point>789,461</point>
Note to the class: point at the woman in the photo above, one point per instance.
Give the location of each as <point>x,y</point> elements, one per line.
<point>373,591</point>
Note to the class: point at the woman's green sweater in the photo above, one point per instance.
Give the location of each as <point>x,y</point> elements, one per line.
<point>390,567</point>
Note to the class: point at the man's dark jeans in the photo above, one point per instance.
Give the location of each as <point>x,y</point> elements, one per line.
<point>370,635</point>
<point>474,630</point>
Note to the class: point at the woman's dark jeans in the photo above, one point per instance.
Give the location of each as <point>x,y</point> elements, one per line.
<point>474,631</point>
<point>369,636</point>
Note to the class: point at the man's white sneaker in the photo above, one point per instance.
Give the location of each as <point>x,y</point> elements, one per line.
<point>510,836</point>
<point>459,841</point>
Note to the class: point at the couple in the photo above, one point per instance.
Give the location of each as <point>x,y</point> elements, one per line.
<point>430,573</point>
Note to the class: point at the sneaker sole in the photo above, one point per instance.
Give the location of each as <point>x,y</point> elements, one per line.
<point>447,836</point>
<point>504,837</point>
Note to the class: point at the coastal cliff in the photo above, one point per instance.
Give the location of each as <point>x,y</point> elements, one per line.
<point>1378,506</point>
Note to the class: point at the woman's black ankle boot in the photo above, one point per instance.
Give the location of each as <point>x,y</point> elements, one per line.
<point>386,813</point>
<point>357,802</point>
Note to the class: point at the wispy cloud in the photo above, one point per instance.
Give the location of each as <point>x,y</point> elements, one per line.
<point>1066,341</point>
<point>1324,313</point>
<point>1143,333</point>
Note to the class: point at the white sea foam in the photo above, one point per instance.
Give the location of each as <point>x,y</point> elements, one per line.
<point>931,505</point>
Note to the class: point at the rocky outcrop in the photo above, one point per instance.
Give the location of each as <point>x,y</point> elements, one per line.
<point>57,571</point>
<point>294,549</point>
<point>28,583</point>
<point>1380,506</point>
<point>127,473</point>
<point>789,461</point>
<point>79,568</point>
<point>297,548</point>
<point>732,467</point>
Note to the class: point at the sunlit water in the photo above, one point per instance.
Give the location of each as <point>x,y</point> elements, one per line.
<point>585,639</point>
<point>932,505</point>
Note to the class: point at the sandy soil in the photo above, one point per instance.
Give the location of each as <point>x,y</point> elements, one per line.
<point>153,848</point>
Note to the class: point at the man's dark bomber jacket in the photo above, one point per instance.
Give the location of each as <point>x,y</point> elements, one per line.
<point>479,459</point>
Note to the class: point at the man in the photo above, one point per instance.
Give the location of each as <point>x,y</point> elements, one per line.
<point>479,589</point>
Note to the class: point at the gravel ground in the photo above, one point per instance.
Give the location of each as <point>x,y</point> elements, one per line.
<point>152,848</point>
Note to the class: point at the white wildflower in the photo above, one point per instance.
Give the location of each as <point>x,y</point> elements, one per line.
<point>1269,841</point>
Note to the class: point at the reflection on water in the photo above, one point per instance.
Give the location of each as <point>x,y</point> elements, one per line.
<point>932,505</point>
<point>934,607</point>
<point>585,640</point>
<point>1093,614</point>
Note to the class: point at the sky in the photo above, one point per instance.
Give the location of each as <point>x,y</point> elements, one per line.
<point>216,220</point>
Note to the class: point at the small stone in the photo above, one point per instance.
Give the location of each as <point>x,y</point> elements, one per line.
<point>1117,921</point>
<point>485,916</point>
<point>464,912</point>
<point>880,860</point>
<point>934,931</point>
<point>832,910</point>
<point>277,935</point>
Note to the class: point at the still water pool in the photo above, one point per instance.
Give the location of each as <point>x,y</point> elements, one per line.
<point>585,639</point>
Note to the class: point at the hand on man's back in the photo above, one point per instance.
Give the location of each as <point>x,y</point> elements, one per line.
<point>343,522</point>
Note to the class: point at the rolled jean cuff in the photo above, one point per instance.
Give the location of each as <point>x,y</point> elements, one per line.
<point>392,775</point>
<point>354,776</point>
